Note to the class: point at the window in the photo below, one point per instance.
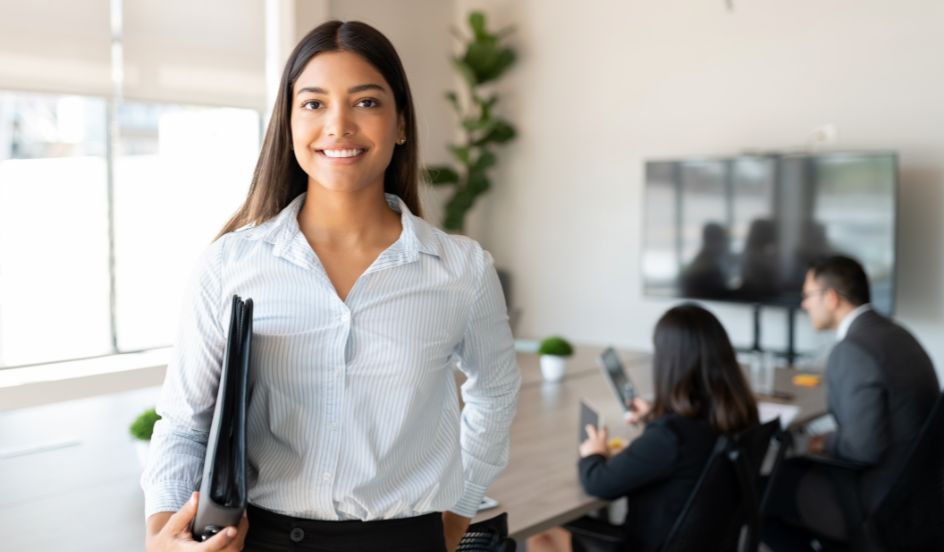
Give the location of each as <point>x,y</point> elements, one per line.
<point>53,228</point>
<point>128,136</point>
<point>179,173</point>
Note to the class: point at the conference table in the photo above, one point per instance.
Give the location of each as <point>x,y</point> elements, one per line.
<point>540,488</point>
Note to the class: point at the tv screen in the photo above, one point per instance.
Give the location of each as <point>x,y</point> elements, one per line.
<point>745,228</point>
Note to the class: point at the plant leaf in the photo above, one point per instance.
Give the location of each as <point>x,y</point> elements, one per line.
<point>461,153</point>
<point>454,101</point>
<point>477,23</point>
<point>438,175</point>
<point>465,70</point>
<point>476,124</point>
<point>478,183</point>
<point>456,209</point>
<point>485,160</point>
<point>500,133</point>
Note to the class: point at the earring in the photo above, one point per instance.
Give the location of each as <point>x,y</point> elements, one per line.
<point>401,141</point>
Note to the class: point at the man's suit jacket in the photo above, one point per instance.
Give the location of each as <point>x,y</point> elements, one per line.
<point>881,387</point>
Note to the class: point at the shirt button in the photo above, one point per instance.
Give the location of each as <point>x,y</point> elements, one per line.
<point>297,534</point>
<point>326,476</point>
<point>345,317</point>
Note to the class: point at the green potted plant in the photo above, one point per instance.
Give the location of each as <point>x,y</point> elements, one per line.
<point>141,429</point>
<point>485,59</point>
<point>553,353</point>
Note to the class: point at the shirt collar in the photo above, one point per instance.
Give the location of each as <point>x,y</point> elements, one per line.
<point>846,322</point>
<point>417,235</point>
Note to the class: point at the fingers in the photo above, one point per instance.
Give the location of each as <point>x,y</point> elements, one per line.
<point>182,518</point>
<point>231,539</point>
<point>242,531</point>
<point>591,431</point>
<point>225,540</point>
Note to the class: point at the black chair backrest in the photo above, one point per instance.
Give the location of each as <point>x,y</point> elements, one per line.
<point>490,535</point>
<point>725,499</point>
<point>911,515</point>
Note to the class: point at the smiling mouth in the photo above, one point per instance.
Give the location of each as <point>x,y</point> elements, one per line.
<point>341,153</point>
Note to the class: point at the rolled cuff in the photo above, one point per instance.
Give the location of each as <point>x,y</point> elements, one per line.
<point>468,504</point>
<point>166,498</point>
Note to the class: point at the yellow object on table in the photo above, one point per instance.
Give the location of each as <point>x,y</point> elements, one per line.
<point>807,380</point>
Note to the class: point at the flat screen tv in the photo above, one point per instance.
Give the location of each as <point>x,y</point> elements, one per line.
<point>745,228</point>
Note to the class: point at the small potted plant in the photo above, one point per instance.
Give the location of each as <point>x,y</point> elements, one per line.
<point>554,352</point>
<point>141,429</point>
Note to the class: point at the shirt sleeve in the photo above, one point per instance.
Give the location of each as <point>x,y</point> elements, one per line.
<point>178,445</point>
<point>490,392</point>
<point>650,457</point>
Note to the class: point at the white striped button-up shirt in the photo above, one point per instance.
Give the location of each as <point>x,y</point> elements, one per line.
<point>354,412</point>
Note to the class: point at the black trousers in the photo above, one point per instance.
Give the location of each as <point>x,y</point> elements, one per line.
<point>272,532</point>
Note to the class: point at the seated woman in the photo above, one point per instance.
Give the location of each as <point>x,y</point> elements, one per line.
<point>700,393</point>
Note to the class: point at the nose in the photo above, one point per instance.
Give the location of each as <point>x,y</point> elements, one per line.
<point>340,123</point>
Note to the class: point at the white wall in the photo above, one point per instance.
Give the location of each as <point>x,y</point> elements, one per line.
<point>603,85</point>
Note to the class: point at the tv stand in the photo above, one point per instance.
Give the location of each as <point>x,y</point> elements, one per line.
<point>790,354</point>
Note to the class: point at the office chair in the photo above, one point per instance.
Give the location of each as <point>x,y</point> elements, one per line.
<point>490,535</point>
<point>910,514</point>
<point>725,500</point>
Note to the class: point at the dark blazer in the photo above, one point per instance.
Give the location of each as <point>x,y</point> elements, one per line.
<point>881,387</point>
<point>657,472</point>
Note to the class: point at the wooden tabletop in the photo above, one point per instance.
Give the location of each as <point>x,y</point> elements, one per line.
<point>540,488</point>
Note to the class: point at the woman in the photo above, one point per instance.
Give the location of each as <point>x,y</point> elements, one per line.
<point>361,310</point>
<point>700,393</point>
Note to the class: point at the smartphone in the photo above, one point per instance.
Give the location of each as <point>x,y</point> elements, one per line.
<point>588,416</point>
<point>487,503</point>
<point>618,379</point>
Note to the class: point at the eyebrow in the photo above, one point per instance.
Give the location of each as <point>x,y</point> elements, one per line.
<point>351,90</point>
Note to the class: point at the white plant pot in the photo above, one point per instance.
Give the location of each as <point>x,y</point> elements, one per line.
<point>553,367</point>
<point>142,447</point>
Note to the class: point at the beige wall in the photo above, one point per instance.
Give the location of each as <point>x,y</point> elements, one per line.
<point>605,84</point>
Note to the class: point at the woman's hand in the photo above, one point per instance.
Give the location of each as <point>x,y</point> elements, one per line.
<point>170,532</point>
<point>638,409</point>
<point>595,443</point>
<point>816,444</point>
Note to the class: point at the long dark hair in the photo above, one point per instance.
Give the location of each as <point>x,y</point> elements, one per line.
<point>278,179</point>
<point>696,372</point>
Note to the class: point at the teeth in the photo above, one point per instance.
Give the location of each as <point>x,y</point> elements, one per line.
<point>342,152</point>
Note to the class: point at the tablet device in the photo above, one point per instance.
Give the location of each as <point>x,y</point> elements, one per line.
<point>588,416</point>
<point>617,378</point>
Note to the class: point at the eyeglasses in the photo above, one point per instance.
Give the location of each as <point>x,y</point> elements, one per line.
<point>808,294</point>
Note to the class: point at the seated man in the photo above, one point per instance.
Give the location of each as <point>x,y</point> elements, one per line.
<point>881,387</point>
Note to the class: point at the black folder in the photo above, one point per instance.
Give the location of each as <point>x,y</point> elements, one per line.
<point>223,488</point>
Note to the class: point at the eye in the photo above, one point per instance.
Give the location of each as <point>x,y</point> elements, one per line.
<point>312,104</point>
<point>367,102</point>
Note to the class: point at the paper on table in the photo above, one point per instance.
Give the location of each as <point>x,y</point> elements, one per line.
<point>769,411</point>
